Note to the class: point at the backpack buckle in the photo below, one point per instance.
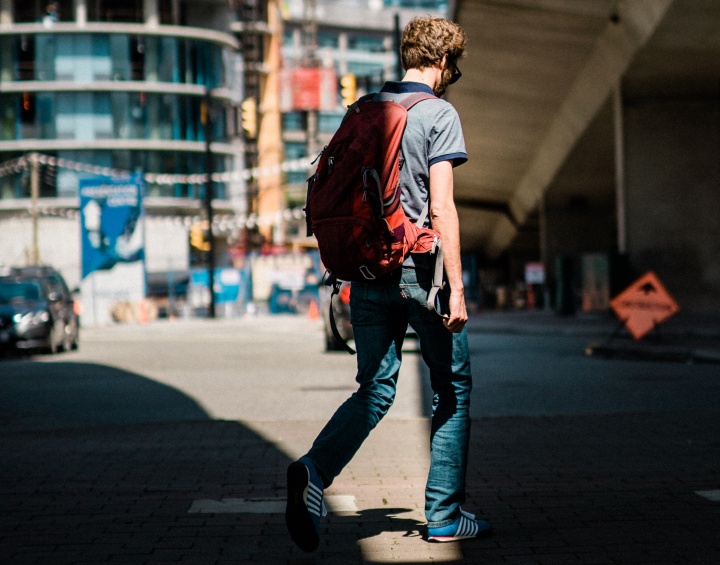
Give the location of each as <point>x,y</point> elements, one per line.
<point>328,279</point>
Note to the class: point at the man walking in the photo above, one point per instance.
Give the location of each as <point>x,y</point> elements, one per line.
<point>381,309</point>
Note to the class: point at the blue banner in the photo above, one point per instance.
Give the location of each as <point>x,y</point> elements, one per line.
<point>111,222</point>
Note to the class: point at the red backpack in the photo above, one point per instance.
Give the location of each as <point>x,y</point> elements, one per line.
<point>353,203</point>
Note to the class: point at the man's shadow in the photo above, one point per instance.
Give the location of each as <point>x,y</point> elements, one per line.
<point>375,521</point>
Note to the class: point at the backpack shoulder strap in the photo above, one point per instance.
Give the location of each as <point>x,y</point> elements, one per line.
<point>360,100</point>
<point>412,99</point>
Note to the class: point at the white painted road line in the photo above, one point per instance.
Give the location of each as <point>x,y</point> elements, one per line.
<point>713,495</point>
<point>335,503</point>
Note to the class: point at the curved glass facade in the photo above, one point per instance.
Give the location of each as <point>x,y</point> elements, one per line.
<point>87,116</point>
<point>89,57</point>
<point>130,87</point>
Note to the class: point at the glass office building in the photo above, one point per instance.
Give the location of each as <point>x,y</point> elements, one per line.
<point>120,84</point>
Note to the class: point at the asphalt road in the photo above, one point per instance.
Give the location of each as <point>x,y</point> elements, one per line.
<point>274,368</point>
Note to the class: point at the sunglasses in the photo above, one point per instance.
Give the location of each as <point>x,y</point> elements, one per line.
<point>456,74</point>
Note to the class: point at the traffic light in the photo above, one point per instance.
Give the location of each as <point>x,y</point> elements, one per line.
<point>249,116</point>
<point>348,89</point>
<point>199,236</point>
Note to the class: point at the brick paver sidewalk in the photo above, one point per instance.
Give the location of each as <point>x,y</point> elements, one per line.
<point>590,489</point>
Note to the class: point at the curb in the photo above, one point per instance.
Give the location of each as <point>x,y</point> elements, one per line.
<point>648,352</point>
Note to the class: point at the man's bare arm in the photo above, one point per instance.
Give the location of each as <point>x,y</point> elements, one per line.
<point>444,218</point>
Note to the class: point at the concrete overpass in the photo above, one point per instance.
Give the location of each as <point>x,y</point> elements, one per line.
<point>594,126</point>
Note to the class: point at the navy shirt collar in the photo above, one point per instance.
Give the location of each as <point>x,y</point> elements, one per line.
<point>405,87</point>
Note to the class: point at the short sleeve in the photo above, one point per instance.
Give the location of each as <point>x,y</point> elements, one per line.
<point>445,139</point>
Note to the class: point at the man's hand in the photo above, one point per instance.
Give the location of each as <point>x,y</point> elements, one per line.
<point>458,317</point>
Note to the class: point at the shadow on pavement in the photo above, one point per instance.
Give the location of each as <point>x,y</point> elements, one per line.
<point>51,394</point>
<point>98,465</point>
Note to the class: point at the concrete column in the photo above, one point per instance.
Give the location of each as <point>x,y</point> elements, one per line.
<point>673,194</point>
<point>176,12</point>
<point>297,47</point>
<point>80,7</point>
<point>342,53</point>
<point>151,75</point>
<point>6,62</point>
<point>619,169</point>
<point>6,13</point>
<point>271,197</point>
<point>150,13</point>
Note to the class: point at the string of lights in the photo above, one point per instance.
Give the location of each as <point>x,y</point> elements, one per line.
<point>224,224</point>
<point>22,163</point>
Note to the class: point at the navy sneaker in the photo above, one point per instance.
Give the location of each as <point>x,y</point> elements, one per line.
<point>465,527</point>
<point>304,504</point>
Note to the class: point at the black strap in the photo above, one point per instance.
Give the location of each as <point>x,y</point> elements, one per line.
<point>333,325</point>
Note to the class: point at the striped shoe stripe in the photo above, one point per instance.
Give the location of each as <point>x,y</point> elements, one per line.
<point>466,528</point>
<point>314,500</point>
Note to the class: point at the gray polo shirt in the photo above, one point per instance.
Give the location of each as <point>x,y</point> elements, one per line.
<point>432,134</point>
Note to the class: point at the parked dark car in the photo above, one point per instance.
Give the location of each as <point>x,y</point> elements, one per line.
<point>37,311</point>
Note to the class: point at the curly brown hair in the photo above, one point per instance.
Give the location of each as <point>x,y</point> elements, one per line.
<point>427,39</point>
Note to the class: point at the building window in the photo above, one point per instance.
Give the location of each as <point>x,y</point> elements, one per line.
<point>295,150</point>
<point>367,43</point>
<point>87,115</point>
<point>25,49</point>
<point>27,11</point>
<point>127,11</point>
<point>293,121</point>
<point>328,39</point>
<point>329,123</point>
<point>167,14</point>
<point>440,5</point>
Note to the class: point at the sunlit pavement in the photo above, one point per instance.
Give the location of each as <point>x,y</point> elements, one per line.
<point>168,443</point>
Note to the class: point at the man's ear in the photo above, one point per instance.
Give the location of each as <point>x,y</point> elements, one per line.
<point>443,61</point>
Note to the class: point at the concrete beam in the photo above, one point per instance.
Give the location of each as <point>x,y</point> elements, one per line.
<point>614,51</point>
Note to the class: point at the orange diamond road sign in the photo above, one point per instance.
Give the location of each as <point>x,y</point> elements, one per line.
<point>644,305</point>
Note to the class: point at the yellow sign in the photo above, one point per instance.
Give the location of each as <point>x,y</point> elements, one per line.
<point>644,305</point>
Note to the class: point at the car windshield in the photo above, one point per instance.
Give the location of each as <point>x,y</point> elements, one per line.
<point>14,291</point>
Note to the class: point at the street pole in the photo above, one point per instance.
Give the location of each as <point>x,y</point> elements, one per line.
<point>208,202</point>
<point>397,38</point>
<point>34,196</point>
<point>620,212</point>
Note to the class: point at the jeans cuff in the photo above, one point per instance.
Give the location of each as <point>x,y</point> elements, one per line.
<point>442,524</point>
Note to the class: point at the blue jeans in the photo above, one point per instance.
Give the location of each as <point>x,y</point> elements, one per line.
<point>380,312</point>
